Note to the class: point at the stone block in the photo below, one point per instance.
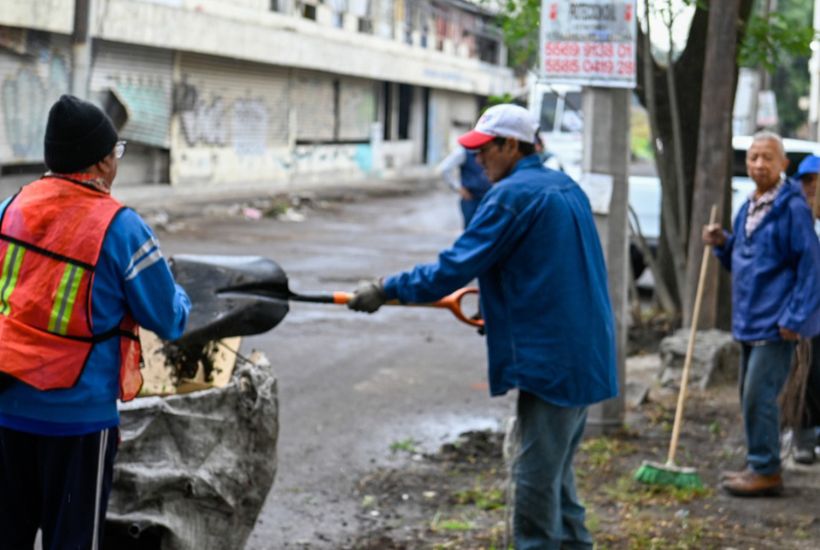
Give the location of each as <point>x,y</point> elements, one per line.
<point>715,360</point>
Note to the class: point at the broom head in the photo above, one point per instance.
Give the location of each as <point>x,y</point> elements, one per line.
<point>653,473</point>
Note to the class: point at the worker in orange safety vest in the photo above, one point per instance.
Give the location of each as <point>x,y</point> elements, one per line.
<point>79,273</point>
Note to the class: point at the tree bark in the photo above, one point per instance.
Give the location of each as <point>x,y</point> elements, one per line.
<point>689,78</point>
<point>713,173</point>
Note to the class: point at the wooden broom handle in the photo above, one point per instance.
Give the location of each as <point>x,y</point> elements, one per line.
<point>690,348</point>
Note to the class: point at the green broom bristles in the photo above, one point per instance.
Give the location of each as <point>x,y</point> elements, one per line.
<point>653,473</point>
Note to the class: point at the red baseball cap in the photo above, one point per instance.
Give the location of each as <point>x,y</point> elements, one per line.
<point>506,120</point>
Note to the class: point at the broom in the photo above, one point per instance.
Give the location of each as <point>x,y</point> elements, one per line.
<point>654,473</point>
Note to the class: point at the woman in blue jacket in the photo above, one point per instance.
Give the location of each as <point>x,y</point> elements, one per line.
<point>774,257</point>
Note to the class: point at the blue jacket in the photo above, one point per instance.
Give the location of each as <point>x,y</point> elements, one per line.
<point>131,275</point>
<point>775,271</point>
<point>535,250</point>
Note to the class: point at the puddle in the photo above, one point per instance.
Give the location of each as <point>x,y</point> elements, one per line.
<point>426,434</point>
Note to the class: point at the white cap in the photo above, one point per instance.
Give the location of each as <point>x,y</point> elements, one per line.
<point>506,120</point>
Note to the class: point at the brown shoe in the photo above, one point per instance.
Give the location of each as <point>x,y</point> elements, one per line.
<point>751,484</point>
<point>732,474</point>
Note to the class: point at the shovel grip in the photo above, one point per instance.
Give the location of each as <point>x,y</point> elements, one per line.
<point>451,302</point>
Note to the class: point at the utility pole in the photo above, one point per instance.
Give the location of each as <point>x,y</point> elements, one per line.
<point>81,48</point>
<point>606,152</point>
<point>713,166</point>
<point>592,44</point>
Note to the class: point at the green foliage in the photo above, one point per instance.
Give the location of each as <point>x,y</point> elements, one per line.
<point>791,80</point>
<point>494,100</point>
<point>439,524</point>
<point>601,451</point>
<point>626,490</point>
<point>483,499</point>
<point>406,445</point>
<point>768,41</point>
<point>519,21</point>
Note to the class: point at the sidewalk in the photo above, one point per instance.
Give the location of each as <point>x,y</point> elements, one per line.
<point>182,198</point>
<point>179,199</point>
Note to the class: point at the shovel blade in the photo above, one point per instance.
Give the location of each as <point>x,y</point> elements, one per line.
<point>215,316</point>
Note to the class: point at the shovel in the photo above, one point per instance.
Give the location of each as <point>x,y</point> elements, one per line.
<point>244,295</point>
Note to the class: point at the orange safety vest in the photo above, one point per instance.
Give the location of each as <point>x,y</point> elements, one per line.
<point>51,235</point>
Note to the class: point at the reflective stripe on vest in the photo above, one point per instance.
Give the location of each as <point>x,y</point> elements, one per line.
<point>65,298</point>
<point>8,278</point>
<point>51,236</point>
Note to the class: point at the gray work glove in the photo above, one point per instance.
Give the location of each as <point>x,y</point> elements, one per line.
<point>368,297</point>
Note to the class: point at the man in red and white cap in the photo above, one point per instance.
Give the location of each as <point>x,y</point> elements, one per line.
<point>534,248</point>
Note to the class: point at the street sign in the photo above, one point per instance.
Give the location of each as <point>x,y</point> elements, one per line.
<point>589,43</point>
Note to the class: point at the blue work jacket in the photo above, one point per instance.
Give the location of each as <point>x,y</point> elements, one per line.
<point>775,271</point>
<point>535,250</point>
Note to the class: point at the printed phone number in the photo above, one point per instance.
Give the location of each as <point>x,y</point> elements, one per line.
<point>587,66</point>
<point>588,49</point>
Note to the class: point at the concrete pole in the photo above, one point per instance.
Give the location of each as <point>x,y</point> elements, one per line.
<point>81,48</point>
<point>606,151</point>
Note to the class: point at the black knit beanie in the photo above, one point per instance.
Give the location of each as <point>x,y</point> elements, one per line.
<point>78,135</point>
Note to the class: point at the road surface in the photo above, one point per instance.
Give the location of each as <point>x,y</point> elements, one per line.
<point>352,385</point>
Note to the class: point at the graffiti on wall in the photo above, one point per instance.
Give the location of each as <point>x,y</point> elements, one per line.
<point>205,123</point>
<point>325,158</point>
<point>27,95</point>
<point>240,123</point>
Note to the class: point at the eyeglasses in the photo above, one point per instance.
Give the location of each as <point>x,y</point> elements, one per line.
<point>119,149</point>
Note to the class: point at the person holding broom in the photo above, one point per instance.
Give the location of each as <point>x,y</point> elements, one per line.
<point>549,326</point>
<point>774,257</point>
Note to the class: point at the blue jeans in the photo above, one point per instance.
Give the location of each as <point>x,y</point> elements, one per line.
<point>547,512</point>
<point>763,371</point>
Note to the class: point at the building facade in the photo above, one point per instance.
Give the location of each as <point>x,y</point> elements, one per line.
<point>229,91</point>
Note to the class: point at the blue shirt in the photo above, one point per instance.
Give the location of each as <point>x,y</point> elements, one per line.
<point>535,250</point>
<point>131,275</point>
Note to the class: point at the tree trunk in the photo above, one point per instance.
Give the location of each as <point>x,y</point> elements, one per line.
<point>712,173</point>
<point>689,79</point>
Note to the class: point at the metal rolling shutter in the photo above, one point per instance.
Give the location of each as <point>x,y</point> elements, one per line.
<point>29,84</point>
<point>232,104</point>
<point>357,108</point>
<point>313,100</point>
<point>142,80</point>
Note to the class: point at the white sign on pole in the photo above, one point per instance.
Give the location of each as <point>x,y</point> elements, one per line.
<point>589,43</point>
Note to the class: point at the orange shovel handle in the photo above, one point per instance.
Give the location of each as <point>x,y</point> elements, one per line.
<point>451,302</point>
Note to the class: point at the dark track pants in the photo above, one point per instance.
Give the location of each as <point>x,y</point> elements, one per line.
<point>59,484</point>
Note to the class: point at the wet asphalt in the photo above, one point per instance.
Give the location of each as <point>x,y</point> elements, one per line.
<point>350,384</point>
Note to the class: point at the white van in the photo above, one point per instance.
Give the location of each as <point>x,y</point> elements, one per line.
<point>645,191</point>
<point>558,109</point>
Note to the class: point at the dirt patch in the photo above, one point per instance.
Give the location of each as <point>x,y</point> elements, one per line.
<point>456,497</point>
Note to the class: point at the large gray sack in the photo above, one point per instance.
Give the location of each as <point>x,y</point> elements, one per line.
<point>193,470</point>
